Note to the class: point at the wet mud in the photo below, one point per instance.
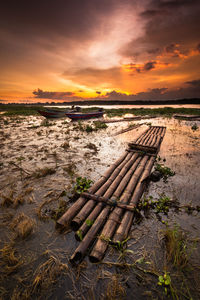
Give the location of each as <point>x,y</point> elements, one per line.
<point>39,163</point>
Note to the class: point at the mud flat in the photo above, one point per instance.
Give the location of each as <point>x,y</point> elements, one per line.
<point>40,162</point>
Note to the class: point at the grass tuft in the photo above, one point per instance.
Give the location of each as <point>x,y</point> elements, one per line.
<point>23,226</point>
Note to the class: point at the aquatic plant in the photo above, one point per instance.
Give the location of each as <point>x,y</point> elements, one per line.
<point>166,172</point>
<point>177,246</point>
<point>194,127</point>
<point>99,125</point>
<point>82,184</point>
<point>58,212</point>
<point>165,282</point>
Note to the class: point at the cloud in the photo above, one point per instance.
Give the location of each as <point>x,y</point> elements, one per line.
<point>165,23</point>
<point>194,83</point>
<point>94,77</point>
<point>193,91</point>
<point>98,92</point>
<point>53,95</point>
<point>146,67</point>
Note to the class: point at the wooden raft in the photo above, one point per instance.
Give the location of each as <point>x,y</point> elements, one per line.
<point>106,211</point>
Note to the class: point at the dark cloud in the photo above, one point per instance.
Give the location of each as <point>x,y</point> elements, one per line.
<point>166,23</point>
<point>149,65</point>
<point>50,18</point>
<point>198,47</point>
<point>194,83</point>
<point>53,95</point>
<point>143,67</point>
<point>98,92</point>
<point>171,48</point>
<point>158,94</point>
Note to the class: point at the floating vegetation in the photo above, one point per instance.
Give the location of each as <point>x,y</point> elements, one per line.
<point>194,127</point>
<point>161,205</point>
<point>95,126</point>
<point>100,125</point>
<point>82,185</point>
<point>166,172</point>
<point>58,212</point>
<point>165,282</point>
<point>23,226</point>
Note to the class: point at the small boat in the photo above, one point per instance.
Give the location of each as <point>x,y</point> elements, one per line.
<point>82,116</point>
<point>53,113</point>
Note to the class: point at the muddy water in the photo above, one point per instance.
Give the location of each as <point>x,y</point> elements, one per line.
<point>29,145</point>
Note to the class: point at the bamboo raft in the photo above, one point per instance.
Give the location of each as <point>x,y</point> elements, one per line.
<point>106,212</point>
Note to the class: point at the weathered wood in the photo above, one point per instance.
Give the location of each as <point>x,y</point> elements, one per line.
<point>126,183</point>
<point>111,202</point>
<point>118,190</point>
<point>107,192</point>
<point>76,207</point>
<point>114,218</point>
<point>144,148</point>
<point>127,220</point>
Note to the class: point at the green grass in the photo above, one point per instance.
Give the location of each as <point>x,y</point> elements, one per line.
<point>14,109</point>
<point>26,110</point>
<point>163,111</point>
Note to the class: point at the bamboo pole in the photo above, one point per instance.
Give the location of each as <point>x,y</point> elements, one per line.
<point>127,220</point>
<point>143,137</point>
<point>114,218</point>
<point>73,210</point>
<point>82,248</point>
<point>118,190</point>
<point>76,207</point>
<point>89,238</point>
<point>105,190</point>
<point>145,140</point>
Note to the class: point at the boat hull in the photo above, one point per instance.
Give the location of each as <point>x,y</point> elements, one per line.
<point>52,114</point>
<point>83,116</point>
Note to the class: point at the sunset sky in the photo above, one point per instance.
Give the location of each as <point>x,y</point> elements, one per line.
<point>64,50</point>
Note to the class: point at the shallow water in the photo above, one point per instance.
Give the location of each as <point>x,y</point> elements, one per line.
<point>29,143</point>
